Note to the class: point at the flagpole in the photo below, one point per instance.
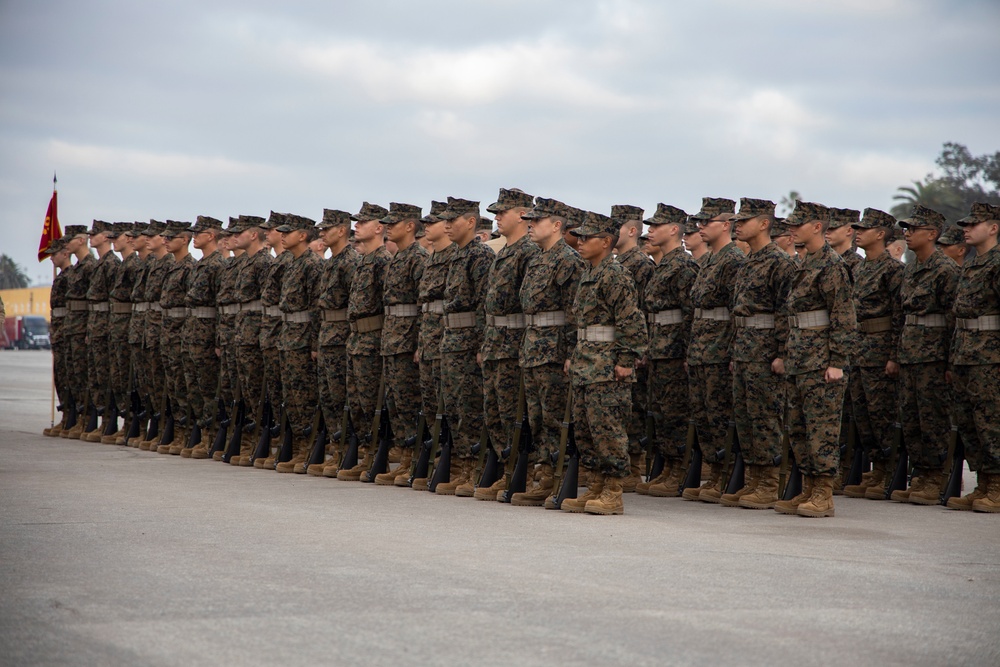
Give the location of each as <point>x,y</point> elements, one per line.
<point>52,401</point>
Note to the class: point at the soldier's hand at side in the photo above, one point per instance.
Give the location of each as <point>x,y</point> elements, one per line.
<point>479,358</point>
<point>566,368</point>
<point>778,366</point>
<point>314,355</point>
<point>730,368</point>
<point>891,369</point>
<point>622,373</point>
<point>642,363</point>
<point>947,376</point>
<point>834,374</point>
<point>218,352</point>
<point>416,357</point>
<point>686,370</point>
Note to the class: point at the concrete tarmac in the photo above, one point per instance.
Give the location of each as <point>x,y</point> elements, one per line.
<point>113,556</point>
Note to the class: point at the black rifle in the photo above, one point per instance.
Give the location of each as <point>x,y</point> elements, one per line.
<point>318,454</point>
<point>484,454</point>
<point>442,466</point>
<point>898,463</point>
<point>285,431</point>
<point>515,449</point>
<point>153,430</point>
<point>428,465</point>
<point>237,418</point>
<point>794,485</point>
<point>558,474</point>
<point>380,457</point>
<point>518,481</point>
<point>263,449</point>
<point>736,471</point>
<point>692,459</point>
<point>955,466</point>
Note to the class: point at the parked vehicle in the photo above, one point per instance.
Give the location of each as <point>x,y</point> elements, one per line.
<point>26,332</point>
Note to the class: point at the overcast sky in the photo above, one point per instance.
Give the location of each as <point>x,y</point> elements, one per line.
<point>174,109</point>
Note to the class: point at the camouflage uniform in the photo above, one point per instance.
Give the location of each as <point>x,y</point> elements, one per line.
<point>98,322</point>
<point>75,326</point>
<point>334,329</point>
<point>711,383</point>
<point>639,266</point>
<point>270,321</point>
<point>364,345</point>
<point>760,336</point>
<point>155,365</point>
<point>927,296</point>
<point>246,367</point>
<point>299,333</point>
<point>120,296</point>
<point>201,365</point>
<point>228,308</point>
<point>173,298</point>
<point>821,283</point>
<point>431,299</point>
<point>58,312</point>
<point>669,291</point>
<point>465,320</point>
<point>877,282</point>
<point>502,340</point>
<point>606,298</point>
<point>137,322</point>
<point>975,354</point>
<point>401,330</point>
<point>550,283</point>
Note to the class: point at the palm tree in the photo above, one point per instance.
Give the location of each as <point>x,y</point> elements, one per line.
<point>787,203</point>
<point>12,275</point>
<point>933,194</point>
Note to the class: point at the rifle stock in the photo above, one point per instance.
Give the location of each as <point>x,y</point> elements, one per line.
<point>898,462</point>
<point>692,459</point>
<point>955,466</point>
<point>515,444</point>
<point>380,459</point>
<point>564,432</point>
<point>436,430</point>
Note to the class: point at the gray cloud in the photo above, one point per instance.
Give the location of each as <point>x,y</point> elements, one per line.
<point>174,109</point>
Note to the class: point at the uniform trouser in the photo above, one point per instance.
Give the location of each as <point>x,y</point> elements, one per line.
<point>118,359</point>
<point>711,402</point>
<point>251,376</point>
<point>814,412</point>
<point>875,401</point>
<point>230,380</point>
<point>298,382</point>
<point>924,397</point>
<point>430,386</point>
<point>847,414</point>
<point>758,408</point>
<point>140,370</point>
<point>600,412</point>
<point>272,371</point>
<point>669,384</point>
<point>173,351</point>
<point>97,370</point>
<point>364,374</point>
<point>402,384</point>
<point>977,413</point>
<point>77,362</point>
<point>156,368</point>
<point>501,378</point>
<point>331,371</point>
<point>201,371</point>
<point>60,372</point>
<point>636,425</point>
<point>462,383</point>
<point>546,390</point>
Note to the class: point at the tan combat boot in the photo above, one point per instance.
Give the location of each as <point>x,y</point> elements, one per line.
<point>113,438</point>
<point>402,470</point>
<point>749,486</point>
<point>990,503</point>
<point>792,506</point>
<point>202,449</point>
<point>537,492</point>
<point>181,436</point>
<point>354,474</point>
<point>164,447</point>
<point>76,431</point>
<point>610,500</point>
<point>671,486</point>
<point>765,492</point>
<point>966,501</point>
<point>319,469</point>
<point>642,488</point>
<point>930,492</point>
<point>461,473</point>
<point>97,433</point>
<point>712,481</point>
<point>579,504</point>
<point>712,493</point>
<point>637,464</point>
<point>916,484</point>
<point>493,491</point>
<point>820,502</point>
<point>874,477</point>
<point>395,454</point>
<point>300,452</point>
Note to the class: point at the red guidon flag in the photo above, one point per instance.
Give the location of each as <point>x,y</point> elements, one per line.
<point>52,230</point>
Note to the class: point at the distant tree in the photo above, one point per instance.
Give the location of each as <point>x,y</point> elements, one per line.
<point>787,203</point>
<point>12,275</point>
<point>964,179</point>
